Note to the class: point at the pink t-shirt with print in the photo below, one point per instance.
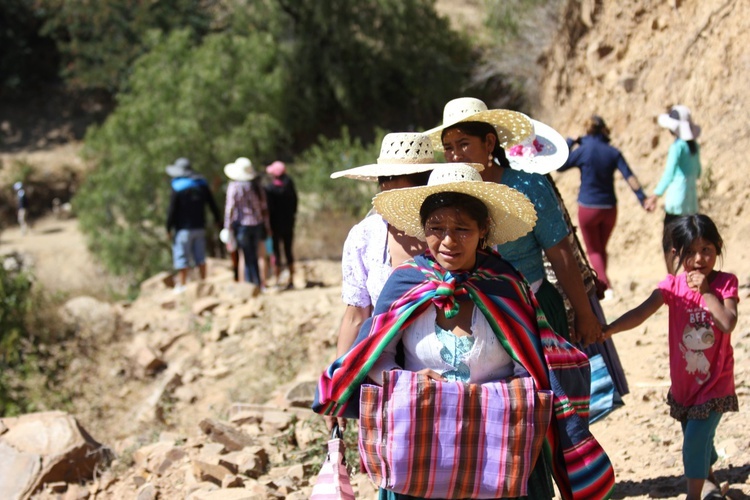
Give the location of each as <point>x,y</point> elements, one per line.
<point>701,359</point>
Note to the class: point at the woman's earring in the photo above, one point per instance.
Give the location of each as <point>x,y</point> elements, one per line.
<point>489,160</point>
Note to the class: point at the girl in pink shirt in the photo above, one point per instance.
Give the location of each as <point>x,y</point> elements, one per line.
<point>702,314</point>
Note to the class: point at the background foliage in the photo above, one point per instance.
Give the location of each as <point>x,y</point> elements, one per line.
<point>281,76</point>
<point>184,99</point>
<point>98,41</point>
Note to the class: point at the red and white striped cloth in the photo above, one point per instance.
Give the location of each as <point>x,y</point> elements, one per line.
<point>333,479</point>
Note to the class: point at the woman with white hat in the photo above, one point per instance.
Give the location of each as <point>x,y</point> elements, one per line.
<point>466,317</point>
<point>680,177</point>
<point>515,150</point>
<point>246,213</point>
<point>373,247</point>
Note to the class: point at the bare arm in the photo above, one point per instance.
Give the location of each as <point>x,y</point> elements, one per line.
<point>636,316</point>
<point>724,311</point>
<point>587,326</point>
<point>349,328</point>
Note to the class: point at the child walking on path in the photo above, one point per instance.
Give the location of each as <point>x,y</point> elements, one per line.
<point>702,314</point>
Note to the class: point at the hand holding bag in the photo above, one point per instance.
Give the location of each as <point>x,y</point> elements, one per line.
<point>434,439</point>
<point>333,479</point>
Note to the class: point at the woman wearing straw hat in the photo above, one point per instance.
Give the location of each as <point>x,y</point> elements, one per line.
<point>246,213</point>
<point>464,315</point>
<point>516,150</point>
<point>373,247</point>
<point>680,177</point>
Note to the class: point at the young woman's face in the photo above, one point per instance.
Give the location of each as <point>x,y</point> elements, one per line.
<point>453,238</point>
<point>464,148</point>
<point>701,257</point>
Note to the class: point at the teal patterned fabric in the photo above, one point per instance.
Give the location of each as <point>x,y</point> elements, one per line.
<point>454,351</point>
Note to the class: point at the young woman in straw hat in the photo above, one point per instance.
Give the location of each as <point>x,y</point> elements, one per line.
<point>505,141</point>
<point>463,315</point>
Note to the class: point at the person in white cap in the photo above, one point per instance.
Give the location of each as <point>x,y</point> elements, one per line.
<point>680,178</point>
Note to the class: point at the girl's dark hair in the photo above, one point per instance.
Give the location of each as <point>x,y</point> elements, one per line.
<point>474,208</point>
<point>417,179</point>
<point>686,229</point>
<point>481,129</point>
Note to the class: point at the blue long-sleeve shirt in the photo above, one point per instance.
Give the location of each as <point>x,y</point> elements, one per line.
<point>598,161</point>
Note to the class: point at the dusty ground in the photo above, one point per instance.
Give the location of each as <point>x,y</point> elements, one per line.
<point>627,62</point>
<point>641,439</point>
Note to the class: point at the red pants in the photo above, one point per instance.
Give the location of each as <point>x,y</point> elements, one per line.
<point>596,226</point>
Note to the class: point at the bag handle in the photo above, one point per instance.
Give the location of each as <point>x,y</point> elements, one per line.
<point>336,432</point>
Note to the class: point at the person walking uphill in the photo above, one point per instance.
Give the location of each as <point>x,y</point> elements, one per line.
<point>282,211</point>
<point>681,173</point>
<point>597,202</point>
<point>186,219</point>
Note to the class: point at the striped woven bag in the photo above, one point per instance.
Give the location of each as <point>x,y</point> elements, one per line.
<point>432,439</point>
<point>333,479</point>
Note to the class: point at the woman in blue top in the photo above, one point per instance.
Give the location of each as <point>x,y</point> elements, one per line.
<point>597,202</point>
<point>680,177</point>
<point>471,133</point>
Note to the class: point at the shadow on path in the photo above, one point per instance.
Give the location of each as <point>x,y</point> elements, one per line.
<point>672,486</point>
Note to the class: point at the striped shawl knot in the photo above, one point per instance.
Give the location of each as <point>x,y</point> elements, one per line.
<point>504,298</point>
<point>448,288</point>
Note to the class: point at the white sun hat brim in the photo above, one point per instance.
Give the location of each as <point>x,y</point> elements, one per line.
<point>373,171</point>
<point>401,153</point>
<point>684,129</point>
<point>511,214</point>
<point>553,154</point>
<point>241,170</point>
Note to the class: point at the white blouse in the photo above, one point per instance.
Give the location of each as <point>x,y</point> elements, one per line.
<point>487,360</point>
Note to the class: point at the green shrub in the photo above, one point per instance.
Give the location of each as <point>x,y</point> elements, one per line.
<point>210,102</point>
<point>341,195</point>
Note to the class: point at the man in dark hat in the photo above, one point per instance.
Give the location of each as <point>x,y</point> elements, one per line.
<point>186,219</point>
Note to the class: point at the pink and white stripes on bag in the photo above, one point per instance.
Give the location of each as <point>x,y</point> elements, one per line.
<point>433,439</point>
<point>333,479</point>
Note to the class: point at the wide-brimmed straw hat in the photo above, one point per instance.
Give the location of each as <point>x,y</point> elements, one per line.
<point>401,153</point>
<point>512,127</point>
<point>544,151</point>
<point>180,168</point>
<point>241,170</point>
<point>512,215</point>
<point>680,122</point>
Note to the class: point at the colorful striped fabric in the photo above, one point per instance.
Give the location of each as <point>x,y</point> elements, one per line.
<point>432,439</point>
<point>333,479</point>
<point>581,468</point>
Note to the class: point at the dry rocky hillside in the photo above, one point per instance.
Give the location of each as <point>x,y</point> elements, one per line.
<point>203,395</point>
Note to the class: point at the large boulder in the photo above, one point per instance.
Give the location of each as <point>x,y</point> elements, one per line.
<point>90,317</point>
<point>43,448</point>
